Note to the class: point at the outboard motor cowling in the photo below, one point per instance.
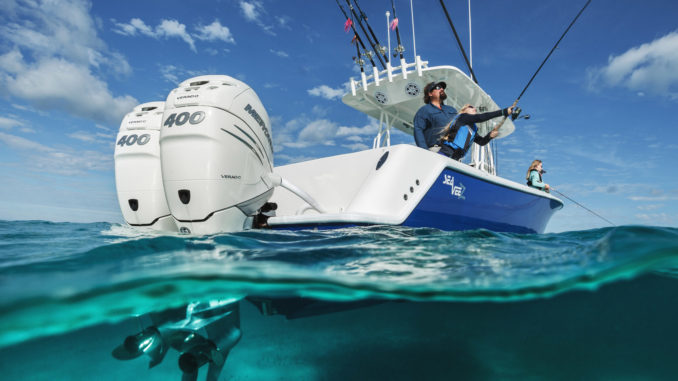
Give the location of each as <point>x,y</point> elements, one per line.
<point>138,177</point>
<point>216,152</point>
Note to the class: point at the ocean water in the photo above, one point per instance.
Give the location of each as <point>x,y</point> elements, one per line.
<point>367,303</point>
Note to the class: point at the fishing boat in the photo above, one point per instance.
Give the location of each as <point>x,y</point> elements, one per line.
<point>202,163</point>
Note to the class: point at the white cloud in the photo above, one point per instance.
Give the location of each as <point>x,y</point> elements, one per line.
<point>280,53</point>
<point>141,26</point>
<point>173,28</point>
<point>326,92</point>
<point>656,218</point>
<point>251,10</point>
<point>8,123</point>
<point>304,131</point>
<point>370,129</point>
<point>89,137</point>
<point>48,159</point>
<point>57,84</point>
<point>176,74</point>
<point>319,111</point>
<point>254,12</point>
<point>62,29</point>
<point>283,21</point>
<point>651,207</point>
<point>319,131</point>
<point>57,59</point>
<point>20,143</point>
<point>653,198</point>
<point>215,31</point>
<point>650,68</point>
<point>356,146</point>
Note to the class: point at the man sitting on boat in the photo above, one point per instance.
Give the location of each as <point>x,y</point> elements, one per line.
<point>431,119</point>
<point>462,131</point>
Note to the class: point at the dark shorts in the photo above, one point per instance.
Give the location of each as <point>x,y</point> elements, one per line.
<point>448,151</point>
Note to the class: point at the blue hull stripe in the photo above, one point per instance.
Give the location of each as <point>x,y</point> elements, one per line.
<point>461,202</point>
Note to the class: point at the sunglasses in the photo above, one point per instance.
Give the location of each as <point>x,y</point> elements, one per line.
<point>438,87</point>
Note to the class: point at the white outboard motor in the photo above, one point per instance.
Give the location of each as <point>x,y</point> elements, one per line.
<point>138,177</point>
<point>216,152</point>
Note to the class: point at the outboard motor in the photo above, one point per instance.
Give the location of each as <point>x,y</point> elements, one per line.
<point>216,152</point>
<point>138,177</point>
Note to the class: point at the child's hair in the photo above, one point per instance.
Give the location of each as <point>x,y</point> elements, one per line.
<point>464,108</point>
<point>533,166</point>
<point>445,135</point>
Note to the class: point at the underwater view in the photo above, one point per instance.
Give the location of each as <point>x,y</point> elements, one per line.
<point>376,302</point>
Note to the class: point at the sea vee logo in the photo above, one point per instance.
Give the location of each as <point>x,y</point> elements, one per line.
<point>457,191</point>
<point>259,121</point>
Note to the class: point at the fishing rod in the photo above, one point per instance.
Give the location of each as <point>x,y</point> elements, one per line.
<point>355,32</point>
<point>379,48</point>
<point>399,49</point>
<point>517,110</point>
<point>360,24</point>
<point>591,211</point>
<point>461,47</point>
<point>358,59</point>
<point>551,52</point>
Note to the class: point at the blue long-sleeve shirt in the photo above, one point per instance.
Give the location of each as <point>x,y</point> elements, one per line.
<point>429,122</point>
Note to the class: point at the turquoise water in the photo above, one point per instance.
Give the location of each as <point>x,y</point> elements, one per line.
<point>387,302</point>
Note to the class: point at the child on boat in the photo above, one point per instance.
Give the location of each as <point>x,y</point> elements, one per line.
<point>533,176</point>
<point>462,131</point>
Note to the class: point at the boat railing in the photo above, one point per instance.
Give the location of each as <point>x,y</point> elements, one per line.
<point>388,74</point>
<point>384,131</point>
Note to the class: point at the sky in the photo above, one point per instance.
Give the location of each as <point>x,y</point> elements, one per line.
<point>604,108</point>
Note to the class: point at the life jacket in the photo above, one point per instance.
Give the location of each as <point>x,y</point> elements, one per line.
<point>463,136</point>
<point>529,181</point>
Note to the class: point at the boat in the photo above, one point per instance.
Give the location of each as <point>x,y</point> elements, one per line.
<point>208,150</point>
<point>201,162</point>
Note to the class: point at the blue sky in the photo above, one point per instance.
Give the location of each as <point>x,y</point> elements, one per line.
<point>604,108</point>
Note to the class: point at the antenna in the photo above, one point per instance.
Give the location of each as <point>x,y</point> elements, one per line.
<point>388,32</point>
<point>414,40</point>
<point>470,41</point>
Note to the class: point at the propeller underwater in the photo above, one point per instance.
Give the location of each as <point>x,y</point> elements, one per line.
<point>148,342</point>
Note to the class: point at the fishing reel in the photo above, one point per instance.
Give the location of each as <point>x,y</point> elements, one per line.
<point>398,50</point>
<point>516,113</point>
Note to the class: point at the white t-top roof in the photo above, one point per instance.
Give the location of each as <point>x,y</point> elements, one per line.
<point>402,97</point>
